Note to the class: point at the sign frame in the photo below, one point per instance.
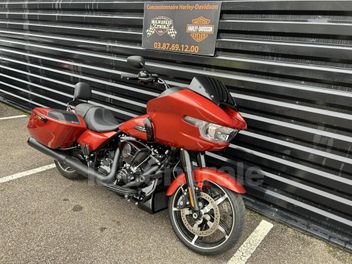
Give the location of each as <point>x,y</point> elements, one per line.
<point>182,27</point>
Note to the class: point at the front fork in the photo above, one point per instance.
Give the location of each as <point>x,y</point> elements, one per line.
<point>187,167</point>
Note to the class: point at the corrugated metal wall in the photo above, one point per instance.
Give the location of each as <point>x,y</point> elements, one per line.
<point>287,63</point>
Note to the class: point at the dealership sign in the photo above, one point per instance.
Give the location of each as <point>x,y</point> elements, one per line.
<point>183,27</point>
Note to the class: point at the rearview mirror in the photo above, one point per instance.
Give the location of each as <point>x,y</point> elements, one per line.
<point>136,61</point>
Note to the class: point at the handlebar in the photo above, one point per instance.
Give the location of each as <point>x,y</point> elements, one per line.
<point>144,77</point>
<point>129,76</point>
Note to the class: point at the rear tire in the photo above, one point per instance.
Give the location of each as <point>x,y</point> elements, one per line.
<point>238,212</point>
<point>67,172</point>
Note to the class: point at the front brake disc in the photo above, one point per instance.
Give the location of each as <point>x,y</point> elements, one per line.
<point>208,223</point>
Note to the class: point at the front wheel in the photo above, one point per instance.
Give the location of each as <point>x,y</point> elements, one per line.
<point>218,225</point>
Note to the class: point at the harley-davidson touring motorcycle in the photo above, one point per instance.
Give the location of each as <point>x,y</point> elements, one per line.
<point>156,160</point>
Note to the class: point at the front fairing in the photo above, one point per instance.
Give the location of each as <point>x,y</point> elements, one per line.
<point>168,111</point>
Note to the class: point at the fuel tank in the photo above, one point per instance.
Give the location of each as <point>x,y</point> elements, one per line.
<point>135,127</point>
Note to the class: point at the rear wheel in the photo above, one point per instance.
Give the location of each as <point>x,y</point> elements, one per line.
<point>217,227</point>
<point>66,171</point>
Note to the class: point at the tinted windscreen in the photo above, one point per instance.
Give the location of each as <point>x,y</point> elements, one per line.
<point>212,89</point>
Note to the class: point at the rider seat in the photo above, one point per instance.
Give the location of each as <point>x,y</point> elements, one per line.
<point>97,118</point>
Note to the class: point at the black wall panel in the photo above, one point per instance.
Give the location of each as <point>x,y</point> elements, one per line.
<point>288,64</point>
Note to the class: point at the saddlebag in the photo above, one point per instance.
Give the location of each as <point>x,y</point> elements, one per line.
<point>55,128</point>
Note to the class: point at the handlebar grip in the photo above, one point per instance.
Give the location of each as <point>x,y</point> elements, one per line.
<point>129,76</point>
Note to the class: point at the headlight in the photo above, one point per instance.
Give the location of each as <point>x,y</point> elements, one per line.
<point>212,132</point>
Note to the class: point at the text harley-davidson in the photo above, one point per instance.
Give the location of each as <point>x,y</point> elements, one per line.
<point>157,159</point>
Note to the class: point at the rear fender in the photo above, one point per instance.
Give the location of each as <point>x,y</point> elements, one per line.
<point>206,174</point>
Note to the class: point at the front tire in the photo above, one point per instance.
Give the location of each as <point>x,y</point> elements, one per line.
<point>219,227</point>
<point>67,172</point>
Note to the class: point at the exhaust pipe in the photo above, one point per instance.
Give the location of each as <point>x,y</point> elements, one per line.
<point>76,164</point>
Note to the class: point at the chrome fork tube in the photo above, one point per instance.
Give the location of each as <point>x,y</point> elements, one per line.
<point>187,167</point>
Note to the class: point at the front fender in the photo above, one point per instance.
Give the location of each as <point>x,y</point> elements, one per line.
<point>203,174</point>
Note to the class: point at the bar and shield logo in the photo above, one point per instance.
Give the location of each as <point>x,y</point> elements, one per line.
<point>200,28</point>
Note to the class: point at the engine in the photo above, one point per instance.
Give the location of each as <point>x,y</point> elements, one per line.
<point>138,160</point>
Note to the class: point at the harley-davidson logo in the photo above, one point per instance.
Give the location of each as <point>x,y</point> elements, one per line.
<point>140,128</point>
<point>200,28</point>
<point>161,25</point>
